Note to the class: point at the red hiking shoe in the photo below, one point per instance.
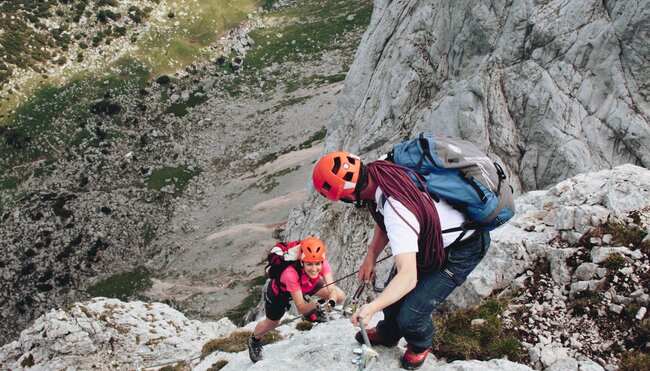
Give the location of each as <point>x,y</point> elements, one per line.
<point>412,360</point>
<point>375,338</point>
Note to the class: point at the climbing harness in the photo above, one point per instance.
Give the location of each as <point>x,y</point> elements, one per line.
<point>458,280</point>
<point>351,304</point>
<point>376,289</point>
<point>322,304</point>
<point>321,307</point>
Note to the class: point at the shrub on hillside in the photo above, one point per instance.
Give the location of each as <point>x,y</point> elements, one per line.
<point>456,338</point>
<point>236,342</point>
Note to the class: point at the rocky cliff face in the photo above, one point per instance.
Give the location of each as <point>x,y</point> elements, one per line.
<point>549,89</point>
<point>108,333</point>
<point>572,306</point>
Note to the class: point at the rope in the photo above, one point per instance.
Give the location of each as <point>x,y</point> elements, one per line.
<point>355,272</point>
<point>394,182</point>
<point>276,326</point>
<point>329,284</point>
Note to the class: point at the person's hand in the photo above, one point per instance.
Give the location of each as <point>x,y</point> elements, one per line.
<point>364,313</point>
<point>367,270</point>
<point>325,306</point>
<point>330,305</point>
<point>316,315</point>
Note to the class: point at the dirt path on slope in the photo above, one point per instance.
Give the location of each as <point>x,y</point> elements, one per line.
<point>221,233</point>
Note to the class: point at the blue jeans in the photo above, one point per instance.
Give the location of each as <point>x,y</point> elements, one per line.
<point>410,317</point>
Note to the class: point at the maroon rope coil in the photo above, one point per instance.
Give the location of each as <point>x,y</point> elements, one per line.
<point>394,182</point>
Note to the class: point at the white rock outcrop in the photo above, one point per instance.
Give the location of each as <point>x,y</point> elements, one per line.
<point>76,341</point>
<point>592,198</point>
<point>104,332</point>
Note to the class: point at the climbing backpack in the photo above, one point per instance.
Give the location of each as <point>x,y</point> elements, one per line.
<point>281,256</point>
<point>460,173</point>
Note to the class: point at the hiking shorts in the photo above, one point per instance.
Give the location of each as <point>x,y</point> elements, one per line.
<point>275,305</point>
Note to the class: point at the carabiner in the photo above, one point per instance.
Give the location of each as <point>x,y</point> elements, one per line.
<point>350,304</point>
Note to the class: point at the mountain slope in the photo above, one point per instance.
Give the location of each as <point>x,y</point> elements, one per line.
<point>548,89</point>
<point>130,183</point>
<point>584,308</point>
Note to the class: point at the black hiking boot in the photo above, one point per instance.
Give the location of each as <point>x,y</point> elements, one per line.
<point>254,349</point>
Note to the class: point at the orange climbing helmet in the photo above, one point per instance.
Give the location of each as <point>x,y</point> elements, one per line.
<point>337,174</point>
<point>312,250</point>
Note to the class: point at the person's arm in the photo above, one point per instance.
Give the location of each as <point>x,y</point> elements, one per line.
<point>403,282</point>
<point>301,305</point>
<point>291,280</point>
<point>331,292</point>
<point>377,244</point>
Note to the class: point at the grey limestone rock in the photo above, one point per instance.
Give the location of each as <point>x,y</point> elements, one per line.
<point>549,89</point>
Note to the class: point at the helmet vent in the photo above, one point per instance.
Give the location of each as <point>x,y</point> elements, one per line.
<point>326,187</point>
<point>337,165</point>
<point>348,176</point>
<point>352,160</point>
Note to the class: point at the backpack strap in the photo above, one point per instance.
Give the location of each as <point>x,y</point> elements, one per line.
<point>473,183</point>
<point>456,229</point>
<point>502,176</point>
<point>390,156</point>
<point>426,151</point>
<point>281,286</point>
<point>465,227</point>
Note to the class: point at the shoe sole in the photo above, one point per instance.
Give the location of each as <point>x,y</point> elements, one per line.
<point>411,367</point>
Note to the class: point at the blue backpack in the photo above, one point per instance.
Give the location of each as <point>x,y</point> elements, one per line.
<point>460,173</point>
